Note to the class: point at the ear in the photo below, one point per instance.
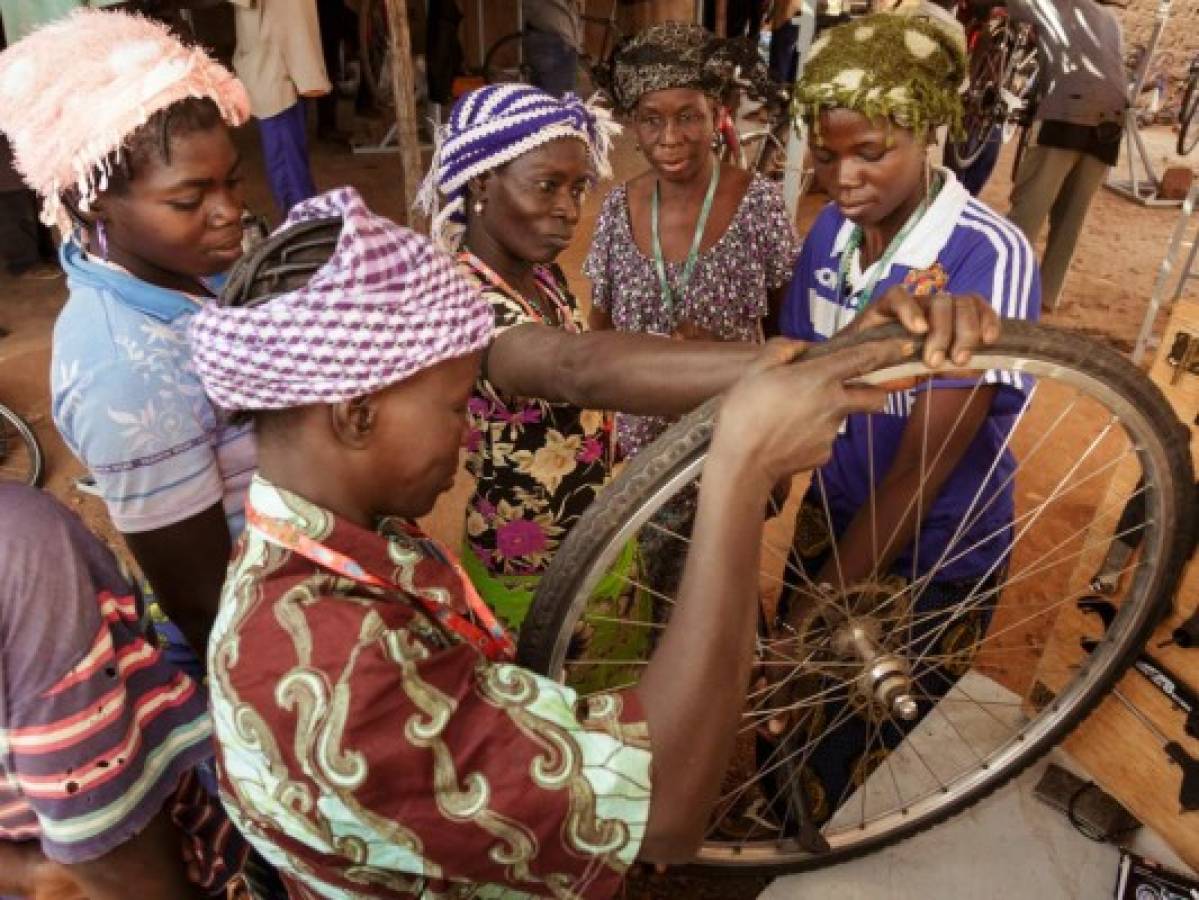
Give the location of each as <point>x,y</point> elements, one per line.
<point>353,421</point>
<point>96,213</point>
<point>476,188</point>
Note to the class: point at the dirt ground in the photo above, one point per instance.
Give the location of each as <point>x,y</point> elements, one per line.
<point>1106,296</point>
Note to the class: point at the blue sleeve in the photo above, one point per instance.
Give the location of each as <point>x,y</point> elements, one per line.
<point>794,317</point>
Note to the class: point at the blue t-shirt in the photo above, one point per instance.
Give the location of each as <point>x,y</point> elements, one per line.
<point>130,406</point>
<point>963,247</point>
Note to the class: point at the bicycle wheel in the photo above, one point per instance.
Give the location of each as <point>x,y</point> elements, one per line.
<point>1020,82</point>
<point>374,42</point>
<point>1003,678</point>
<point>506,61</point>
<point>20,453</point>
<point>1188,127</point>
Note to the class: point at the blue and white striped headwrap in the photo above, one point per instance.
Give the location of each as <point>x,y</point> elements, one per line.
<point>494,125</point>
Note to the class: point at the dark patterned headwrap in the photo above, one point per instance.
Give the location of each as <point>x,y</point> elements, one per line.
<point>679,55</point>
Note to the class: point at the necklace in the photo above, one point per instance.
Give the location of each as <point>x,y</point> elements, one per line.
<point>546,285</point>
<point>693,253</point>
<point>481,630</point>
<point>862,297</point>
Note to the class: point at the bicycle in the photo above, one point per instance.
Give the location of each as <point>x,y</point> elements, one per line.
<point>20,453</point>
<point>1003,83</point>
<point>1188,127</point>
<point>947,722</point>
<point>505,60</point>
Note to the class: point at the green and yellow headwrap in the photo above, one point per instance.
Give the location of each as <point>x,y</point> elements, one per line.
<point>885,66</point>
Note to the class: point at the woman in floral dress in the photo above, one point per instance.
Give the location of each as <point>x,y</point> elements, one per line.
<point>693,248</point>
<point>512,167</point>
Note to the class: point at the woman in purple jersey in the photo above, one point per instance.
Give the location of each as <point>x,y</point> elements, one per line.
<point>879,526</point>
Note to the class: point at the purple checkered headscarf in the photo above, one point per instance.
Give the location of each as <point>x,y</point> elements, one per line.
<point>385,306</point>
<point>494,125</point>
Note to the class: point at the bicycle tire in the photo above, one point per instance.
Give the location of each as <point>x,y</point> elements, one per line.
<point>21,456</point>
<point>374,44</point>
<point>498,67</point>
<point>1188,128</point>
<point>655,474</point>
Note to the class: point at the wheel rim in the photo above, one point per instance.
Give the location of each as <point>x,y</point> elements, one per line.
<point>20,458</point>
<point>1116,443</point>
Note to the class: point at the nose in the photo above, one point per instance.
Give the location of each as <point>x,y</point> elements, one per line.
<point>225,208</point>
<point>567,206</point>
<point>849,174</point>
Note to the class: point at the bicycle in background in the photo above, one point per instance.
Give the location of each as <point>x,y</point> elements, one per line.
<point>506,61</point>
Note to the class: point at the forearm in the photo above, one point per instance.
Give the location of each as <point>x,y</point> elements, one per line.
<point>884,528</point>
<point>694,687</point>
<point>942,427</point>
<point>633,373</point>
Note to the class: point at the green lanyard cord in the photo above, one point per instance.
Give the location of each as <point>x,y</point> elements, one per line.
<point>693,253</point>
<point>862,297</point>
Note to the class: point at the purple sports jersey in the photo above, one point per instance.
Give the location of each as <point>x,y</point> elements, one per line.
<point>959,246</point>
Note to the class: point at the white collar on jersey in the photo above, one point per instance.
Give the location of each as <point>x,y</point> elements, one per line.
<point>923,245</point>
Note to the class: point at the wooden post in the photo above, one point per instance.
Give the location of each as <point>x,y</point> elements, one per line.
<point>403,86</point>
<point>722,18</point>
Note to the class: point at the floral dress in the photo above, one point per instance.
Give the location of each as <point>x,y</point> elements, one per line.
<point>725,297</point>
<point>538,465</point>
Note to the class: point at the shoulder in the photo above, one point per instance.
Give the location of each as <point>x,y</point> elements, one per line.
<point>30,517</point>
<point>989,255</point>
<point>980,232</point>
<point>822,235</point>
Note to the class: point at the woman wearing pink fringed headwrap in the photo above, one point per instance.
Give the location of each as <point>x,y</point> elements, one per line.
<point>124,133</point>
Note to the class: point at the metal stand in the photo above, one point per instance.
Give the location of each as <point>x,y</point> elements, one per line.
<point>1143,190</point>
<point>1165,270</point>
<point>794,182</point>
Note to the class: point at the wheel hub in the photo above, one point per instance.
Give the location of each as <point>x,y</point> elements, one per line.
<point>884,679</point>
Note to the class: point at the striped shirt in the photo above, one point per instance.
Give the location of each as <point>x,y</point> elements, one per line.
<point>959,246</point>
<point>98,734</point>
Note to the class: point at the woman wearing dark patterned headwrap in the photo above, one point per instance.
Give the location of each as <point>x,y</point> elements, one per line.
<point>694,247</point>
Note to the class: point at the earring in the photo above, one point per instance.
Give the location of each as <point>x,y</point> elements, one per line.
<point>102,239</point>
<point>478,207</point>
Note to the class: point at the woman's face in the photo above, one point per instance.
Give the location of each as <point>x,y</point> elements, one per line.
<point>181,217</point>
<point>420,425</point>
<point>675,128</point>
<point>532,204</point>
<point>872,168</point>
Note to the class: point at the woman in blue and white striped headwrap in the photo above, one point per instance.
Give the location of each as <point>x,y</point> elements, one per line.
<point>495,125</point>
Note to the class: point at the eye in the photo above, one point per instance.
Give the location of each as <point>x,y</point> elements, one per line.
<point>871,154</point>
<point>651,121</point>
<point>546,186</point>
<point>578,192</point>
<point>822,156</point>
<point>188,204</point>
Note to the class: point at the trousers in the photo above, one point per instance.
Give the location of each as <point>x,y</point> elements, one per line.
<point>1057,185</point>
<point>285,154</point>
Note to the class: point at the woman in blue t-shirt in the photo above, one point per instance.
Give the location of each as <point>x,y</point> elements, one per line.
<point>873,93</point>
<point>124,133</point>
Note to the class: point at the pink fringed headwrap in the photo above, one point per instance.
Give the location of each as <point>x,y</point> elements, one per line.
<point>72,92</point>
